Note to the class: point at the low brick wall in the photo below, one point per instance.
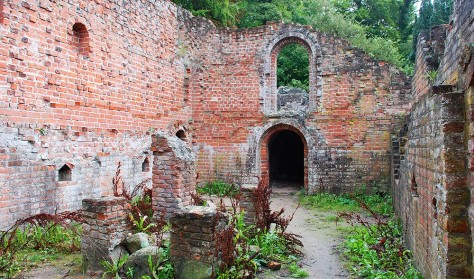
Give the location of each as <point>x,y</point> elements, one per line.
<point>194,241</point>
<point>105,227</point>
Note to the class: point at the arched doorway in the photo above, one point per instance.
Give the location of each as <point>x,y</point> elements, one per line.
<point>286,159</point>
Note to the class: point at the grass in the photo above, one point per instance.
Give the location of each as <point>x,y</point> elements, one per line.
<point>218,188</point>
<point>35,245</point>
<point>345,202</point>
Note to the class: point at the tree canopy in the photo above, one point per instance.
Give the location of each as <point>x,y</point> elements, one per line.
<point>385,29</point>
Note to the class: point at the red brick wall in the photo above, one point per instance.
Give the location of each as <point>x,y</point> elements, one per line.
<point>86,83</point>
<point>63,103</point>
<point>354,104</point>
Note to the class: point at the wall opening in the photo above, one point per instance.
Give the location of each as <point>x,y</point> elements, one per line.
<point>181,134</point>
<point>146,165</point>
<point>414,186</point>
<point>80,39</point>
<point>293,67</point>
<point>65,173</point>
<point>286,159</point>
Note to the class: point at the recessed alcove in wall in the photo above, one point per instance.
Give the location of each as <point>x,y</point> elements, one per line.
<point>146,165</point>
<point>414,186</point>
<point>65,173</point>
<point>181,134</point>
<point>80,39</point>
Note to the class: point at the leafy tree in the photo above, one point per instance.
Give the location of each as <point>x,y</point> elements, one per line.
<point>383,28</point>
<point>293,67</point>
<point>223,12</point>
<point>431,14</point>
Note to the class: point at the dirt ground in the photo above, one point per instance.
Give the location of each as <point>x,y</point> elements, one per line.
<point>319,236</point>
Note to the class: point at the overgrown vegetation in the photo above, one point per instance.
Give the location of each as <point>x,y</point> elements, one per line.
<point>245,249</point>
<point>218,188</point>
<point>374,246</point>
<point>379,203</point>
<point>386,29</point>
<point>38,238</point>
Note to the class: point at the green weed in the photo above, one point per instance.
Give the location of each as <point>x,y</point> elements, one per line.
<point>296,271</point>
<point>377,251</point>
<point>345,202</point>
<point>112,269</point>
<point>218,188</point>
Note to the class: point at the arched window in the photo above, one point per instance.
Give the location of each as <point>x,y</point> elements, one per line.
<point>65,173</point>
<point>80,39</point>
<point>292,61</point>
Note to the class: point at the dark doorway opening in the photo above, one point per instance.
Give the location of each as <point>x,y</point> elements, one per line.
<point>286,158</point>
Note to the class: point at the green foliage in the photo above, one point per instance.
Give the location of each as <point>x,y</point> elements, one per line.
<point>223,12</point>
<point>293,67</point>
<point>381,204</point>
<point>140,224</point>
<point>112,269</point>
<point>163,268</point>
<point>296,271</point>
<point>383,28</point>
<point>377,251</point>
<point>36,239</point>
<point>385,36</point>
<point>432,13</point>
<point>218,188</point>
<point>432,75</point>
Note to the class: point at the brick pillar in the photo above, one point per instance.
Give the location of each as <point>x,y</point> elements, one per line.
<point>247,204</point>
<point>174,175</point>
<point>194,240</point>
<point>105,227</point>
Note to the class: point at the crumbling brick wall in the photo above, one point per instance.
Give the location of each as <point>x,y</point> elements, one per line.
<point>84,84</point>
<point>433,182</point>
<point>354,103</point>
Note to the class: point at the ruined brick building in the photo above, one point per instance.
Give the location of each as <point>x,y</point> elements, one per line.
<point>88,84</point>
<point>433,163</point>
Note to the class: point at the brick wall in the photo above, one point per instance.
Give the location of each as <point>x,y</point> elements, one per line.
<point>355,103</point>
<point>433,182</point>
<point>84,83</point>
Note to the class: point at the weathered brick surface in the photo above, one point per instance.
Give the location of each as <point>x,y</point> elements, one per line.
<point>104,229</point>
<point>91,108</point>
<point>354,104</point>
<point>432,156</point>
<point>87,83</point>
<point>174,174</point>
<point>195,241</point>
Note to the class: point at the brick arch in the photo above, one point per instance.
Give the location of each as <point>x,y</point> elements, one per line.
<point>290,35</point>
<point>264,154</point>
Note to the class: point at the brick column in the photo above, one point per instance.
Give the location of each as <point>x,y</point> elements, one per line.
<point>105,227</point>
<point>247,204</point>
<point>194,241</point>
<point>174,175</point>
